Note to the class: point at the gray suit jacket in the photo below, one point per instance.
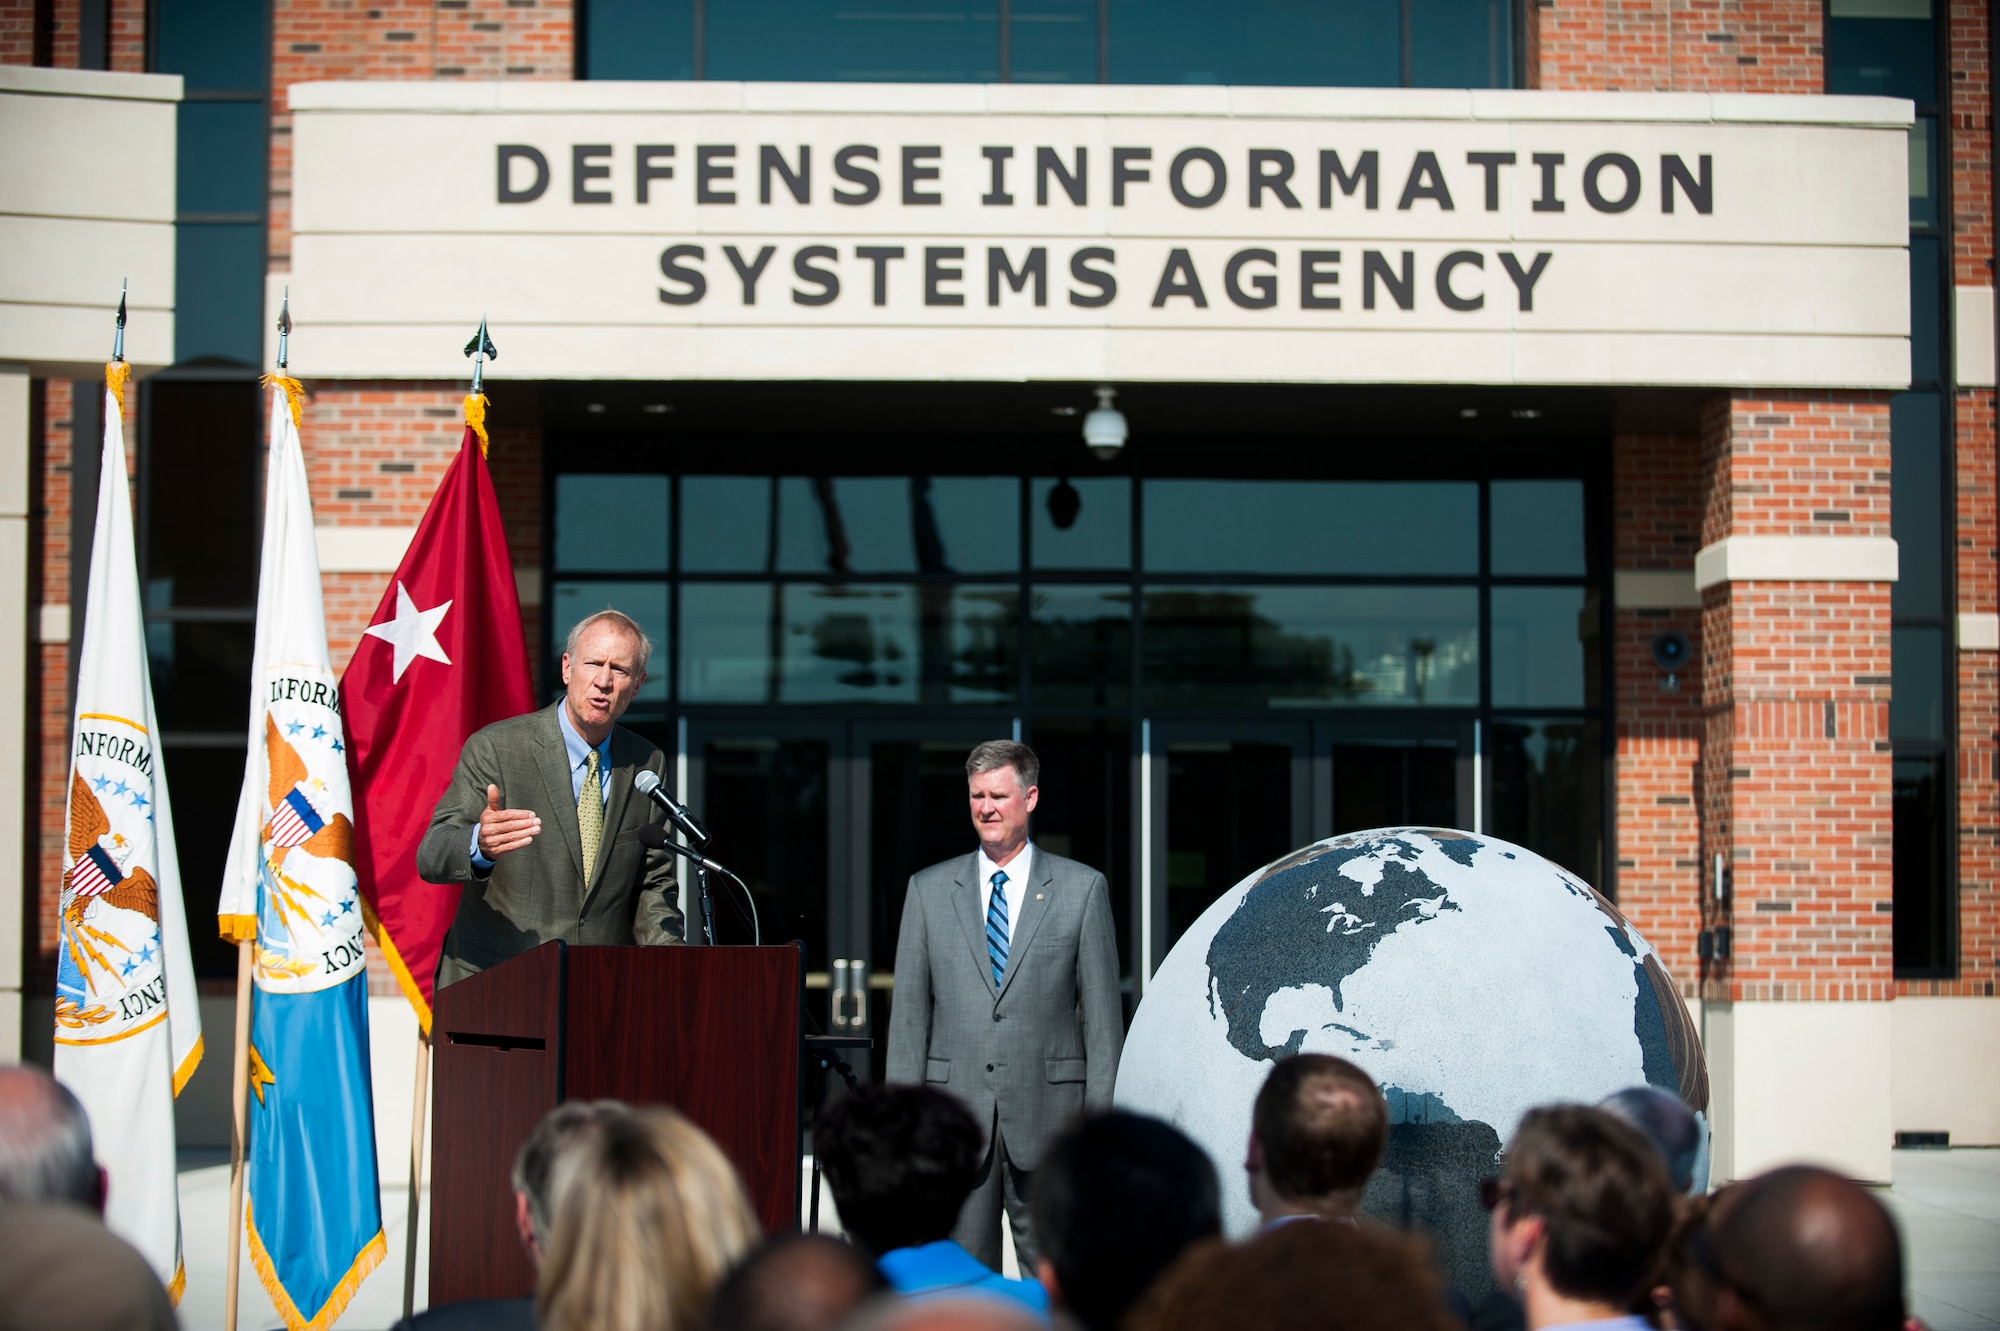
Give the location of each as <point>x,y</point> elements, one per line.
<point>540,892</point>
<point>1044,1044</point>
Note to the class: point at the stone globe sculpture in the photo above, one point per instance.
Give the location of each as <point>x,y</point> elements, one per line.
<point>1471,978</point>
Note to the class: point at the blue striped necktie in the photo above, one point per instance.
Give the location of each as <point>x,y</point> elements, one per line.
<point>996,926</point>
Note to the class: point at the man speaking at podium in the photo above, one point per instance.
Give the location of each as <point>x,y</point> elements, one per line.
<point>1007,992</point>
<point>540,823</point>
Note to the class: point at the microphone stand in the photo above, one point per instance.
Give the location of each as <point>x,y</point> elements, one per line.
<point>654,837</point>
<point>707,904</point>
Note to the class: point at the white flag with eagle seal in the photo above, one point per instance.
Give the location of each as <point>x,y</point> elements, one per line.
<point>128,1027</point>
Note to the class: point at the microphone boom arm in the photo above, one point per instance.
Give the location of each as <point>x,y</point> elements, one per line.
<point>655,837</point>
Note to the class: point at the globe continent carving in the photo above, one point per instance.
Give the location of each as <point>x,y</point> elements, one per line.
<point>1471,978</point>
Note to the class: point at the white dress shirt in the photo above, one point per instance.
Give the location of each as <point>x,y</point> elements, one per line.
<point>1016,870</point>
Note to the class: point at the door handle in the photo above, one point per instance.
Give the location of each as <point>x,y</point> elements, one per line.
<point>857,980</point>
<point>843,980</point>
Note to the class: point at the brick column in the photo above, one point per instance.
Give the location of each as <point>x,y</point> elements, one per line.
<point>1795,572</point>
<point>1656,528</point>
<point>1765,46</point>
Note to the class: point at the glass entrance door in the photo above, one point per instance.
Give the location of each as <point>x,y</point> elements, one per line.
<point>1226,798</point>
<point>826,821</point>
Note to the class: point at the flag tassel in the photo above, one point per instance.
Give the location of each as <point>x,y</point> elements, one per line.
<point>239,1106</point>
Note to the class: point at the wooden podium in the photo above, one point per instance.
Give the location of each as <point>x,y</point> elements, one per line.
<point>712,1031</point>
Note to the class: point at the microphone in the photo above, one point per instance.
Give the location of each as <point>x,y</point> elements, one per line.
<point>647,783</point>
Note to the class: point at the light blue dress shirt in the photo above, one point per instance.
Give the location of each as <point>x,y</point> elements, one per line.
<point>579,757</point>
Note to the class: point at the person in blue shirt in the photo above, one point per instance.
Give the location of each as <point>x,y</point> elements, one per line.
<point>900,1161</point>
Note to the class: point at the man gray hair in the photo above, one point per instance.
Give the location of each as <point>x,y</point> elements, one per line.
<point>618,620</point>
<point>45,1150</point>
<point>997,753</point>
<point>534,1165</point>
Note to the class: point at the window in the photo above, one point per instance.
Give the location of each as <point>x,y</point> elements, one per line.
<point>1891,48</point>
<point>221,50</point>
<point>1295,43</point>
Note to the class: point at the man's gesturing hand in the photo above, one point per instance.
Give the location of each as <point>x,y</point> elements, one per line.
<point>502,830</point>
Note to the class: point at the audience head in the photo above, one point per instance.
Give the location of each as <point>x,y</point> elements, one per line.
<point>802,1282</point>
<point>900,1161</point>
<point>61,1269</point>
<point>568,1122</point>
<point>1304,1276</point>
<point>45,1150</point>
<point>1316,1134</point>
<point>1664,1120</point>
<point>1793,1249</point>
<point>1580,1215</point>
<point>1118,1197</point>
<point>646,1216</point>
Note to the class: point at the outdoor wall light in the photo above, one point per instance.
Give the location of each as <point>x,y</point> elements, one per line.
<point>1104,429</point>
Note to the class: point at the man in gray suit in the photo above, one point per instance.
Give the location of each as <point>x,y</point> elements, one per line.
<point>592,881</point>
<point>1007,992</point>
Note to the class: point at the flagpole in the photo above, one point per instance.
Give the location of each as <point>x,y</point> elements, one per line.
<point>416,1171</point>
<point>480,349</point>
<point>239,1097</point>
<point>239,1106</point>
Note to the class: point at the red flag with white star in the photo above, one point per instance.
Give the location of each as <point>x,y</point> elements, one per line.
<point>443,656</point>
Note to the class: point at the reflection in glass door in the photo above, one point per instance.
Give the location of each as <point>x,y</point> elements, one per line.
<point>770,802</point>
<point>1227,799</point>
<point>1394,783</point>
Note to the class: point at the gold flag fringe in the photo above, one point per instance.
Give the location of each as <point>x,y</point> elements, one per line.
<point>295,1318</point>
<point>295,393</point>
<point>475,416</point>
<point>116,374</point>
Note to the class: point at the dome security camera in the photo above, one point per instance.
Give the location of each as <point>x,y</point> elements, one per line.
<point>1104,429</point>
<point>1671,652</point>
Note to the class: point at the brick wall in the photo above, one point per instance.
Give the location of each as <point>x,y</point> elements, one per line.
<point>1664,46</point>
<point>1796,772</point>
<point>1656,523</point>
<point>1978,713</point>
<point>17,32</point>
<point>1969,133</point>
<point>415,39</point>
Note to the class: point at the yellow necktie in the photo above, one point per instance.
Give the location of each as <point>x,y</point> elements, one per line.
<point>590,816</point>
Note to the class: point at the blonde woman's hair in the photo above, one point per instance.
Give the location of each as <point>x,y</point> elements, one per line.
<point>647,1218</point>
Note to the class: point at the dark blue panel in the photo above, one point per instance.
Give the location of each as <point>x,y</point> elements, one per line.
<point>640,39</point>
<point>221,161</point>
<point>1924,172</point>
<point>1294,43</point>
<point>912,41</point>
<point>1053,41</point>
<point>1882,57</point>
<point>1462,44</point>
<point>1312,527</point>
<point>1538,528</point>
<point>1916,515</point>
<point>1926,330</point>
<point>219,292</point>
<point>1916,697</point>
<point>213,44</point>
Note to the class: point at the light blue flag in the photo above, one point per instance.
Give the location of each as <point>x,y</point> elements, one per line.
<point>315,1206</point>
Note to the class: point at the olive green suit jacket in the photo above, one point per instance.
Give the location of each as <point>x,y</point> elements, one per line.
<point>541,891</point>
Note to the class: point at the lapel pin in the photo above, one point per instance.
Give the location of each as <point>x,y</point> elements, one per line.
<point>1038,896</point>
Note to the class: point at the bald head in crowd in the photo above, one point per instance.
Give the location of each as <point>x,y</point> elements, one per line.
<point>1316,1135</point>
<point>801,1282</point>
<point>45,1148</point>
<point>1803,1248</point>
